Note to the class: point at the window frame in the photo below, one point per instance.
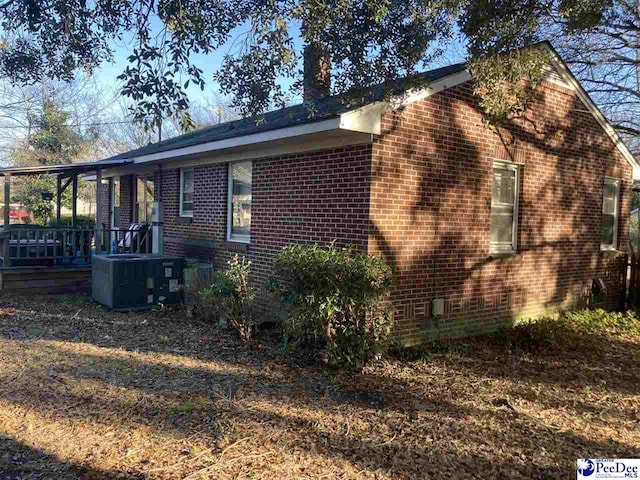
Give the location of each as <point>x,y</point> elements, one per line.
<point>613,246</point>
<point>182,211</point>
<point>115,183</point>
<point>500,249</point>
<point>146,177</point>
<point>230,236</point>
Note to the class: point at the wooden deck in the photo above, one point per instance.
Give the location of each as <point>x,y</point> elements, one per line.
<point>43,280</point>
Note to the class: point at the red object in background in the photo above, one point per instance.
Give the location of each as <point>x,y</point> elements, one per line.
<point>18,213</point>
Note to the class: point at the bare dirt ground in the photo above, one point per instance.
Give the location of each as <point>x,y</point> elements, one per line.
<point>86,393</point>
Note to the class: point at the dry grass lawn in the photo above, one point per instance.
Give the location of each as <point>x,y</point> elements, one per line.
<point>86,393</point>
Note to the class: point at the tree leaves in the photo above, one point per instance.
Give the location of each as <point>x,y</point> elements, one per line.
<point>368,42</point>
<point>503,81</point>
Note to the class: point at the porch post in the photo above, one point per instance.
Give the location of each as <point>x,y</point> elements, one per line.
<point>157,216</point>
<point>7,198</point>
<point>58,199</point>
<point>74,202</point>
<point>7,207</point>
<point>98,211</point>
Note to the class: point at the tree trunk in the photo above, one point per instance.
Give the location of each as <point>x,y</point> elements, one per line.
<point>317,71</point>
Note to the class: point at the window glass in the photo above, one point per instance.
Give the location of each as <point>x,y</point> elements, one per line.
<point>144,198</point>
<point>240,200</point>
<point>115,203</point>
<point>504,203</point>
<point>608,232</point>
<point>186,195</point>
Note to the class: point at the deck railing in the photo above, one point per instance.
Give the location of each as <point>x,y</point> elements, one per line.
<point>32,245</point>
<point>137,240</point>
<point>29,245</point>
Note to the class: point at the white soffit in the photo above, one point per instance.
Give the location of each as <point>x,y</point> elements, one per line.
<point>282,133</point>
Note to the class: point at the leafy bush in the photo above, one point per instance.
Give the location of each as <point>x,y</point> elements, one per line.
<point>86,220</point>
<point>202,305</point>
<point>231,294</point>
<point>339,302</point>
<point>416,353</point>
<point>570,330</point>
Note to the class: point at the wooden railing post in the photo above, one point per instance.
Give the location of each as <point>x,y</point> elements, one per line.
<point>6,250</point>
<point>74,201</point>
<point>7,199</point>
<point>58,198</point>
<point>98,235</point>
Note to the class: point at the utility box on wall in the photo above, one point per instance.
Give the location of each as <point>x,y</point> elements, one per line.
<point>137,282</point>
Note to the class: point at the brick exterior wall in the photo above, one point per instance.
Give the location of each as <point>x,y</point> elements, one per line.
<point>313,197</point>
<point>127,199</point>
<point>431,207</point>
<point>420,194</point>
<point>103,197</point>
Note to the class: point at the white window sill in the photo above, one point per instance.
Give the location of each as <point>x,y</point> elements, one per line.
<point>610,251</point>
<point>244,240</point>
<point>186,215</point>
<point>503,253</point>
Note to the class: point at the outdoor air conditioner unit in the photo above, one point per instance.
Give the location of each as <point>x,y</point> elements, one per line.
<point>136,282</point>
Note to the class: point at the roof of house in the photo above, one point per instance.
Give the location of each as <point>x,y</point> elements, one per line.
<point>321,109</point>
<point>344,113</point>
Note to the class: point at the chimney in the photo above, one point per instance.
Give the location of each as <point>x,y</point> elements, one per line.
<point>317,71</point>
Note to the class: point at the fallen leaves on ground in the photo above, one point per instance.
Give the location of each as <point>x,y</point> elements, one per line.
<point>86,393</point>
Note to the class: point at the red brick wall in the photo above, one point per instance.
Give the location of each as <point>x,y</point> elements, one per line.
<point>421,196</point>
<point>431,204</point>
<point>103,197</point>
<point>127,199</point>
<point>313,197</point>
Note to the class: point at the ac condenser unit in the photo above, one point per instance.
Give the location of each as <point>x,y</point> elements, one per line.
<point>136,282</point>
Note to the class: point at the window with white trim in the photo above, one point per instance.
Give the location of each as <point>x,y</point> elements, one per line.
<point>239,214</point>
<point>144,198</point>
<point>186,192</point>
<point>610,208</point>
<point>505,196</point>
<point>115,202</point>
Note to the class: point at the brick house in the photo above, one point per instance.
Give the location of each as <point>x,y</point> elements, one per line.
<point>482,225</point>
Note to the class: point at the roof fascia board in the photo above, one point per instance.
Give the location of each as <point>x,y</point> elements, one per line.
<point>438,86</point>
<point>281,133</point>
<point>369,117</point>
<point>366,119</point>
<point>313,142</point>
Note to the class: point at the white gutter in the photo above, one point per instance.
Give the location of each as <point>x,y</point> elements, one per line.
<point>281,133</point>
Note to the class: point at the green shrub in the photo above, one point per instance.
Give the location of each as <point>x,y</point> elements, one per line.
<point>339,302</point>
<point>231,293</point>
<point>84,220</point>
<point>570,330</point>
<point>201,302</point>
<point>416,353</point>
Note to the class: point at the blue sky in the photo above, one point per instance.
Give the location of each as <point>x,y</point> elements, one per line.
<point>107,74</point>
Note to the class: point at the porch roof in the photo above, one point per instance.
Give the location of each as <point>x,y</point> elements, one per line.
<point>63,170</point>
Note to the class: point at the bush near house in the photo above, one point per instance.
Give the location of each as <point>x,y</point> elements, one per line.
<point>569,330</point>
<point>231,294</point>
<point>85,220</point>
<point>338,302</point>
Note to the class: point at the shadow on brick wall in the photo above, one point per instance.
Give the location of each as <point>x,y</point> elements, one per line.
<point>432,176</point>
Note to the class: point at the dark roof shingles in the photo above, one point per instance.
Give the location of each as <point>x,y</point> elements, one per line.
<point>321,109</point>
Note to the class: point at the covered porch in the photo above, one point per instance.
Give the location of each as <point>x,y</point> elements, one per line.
<point>57,258</point>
